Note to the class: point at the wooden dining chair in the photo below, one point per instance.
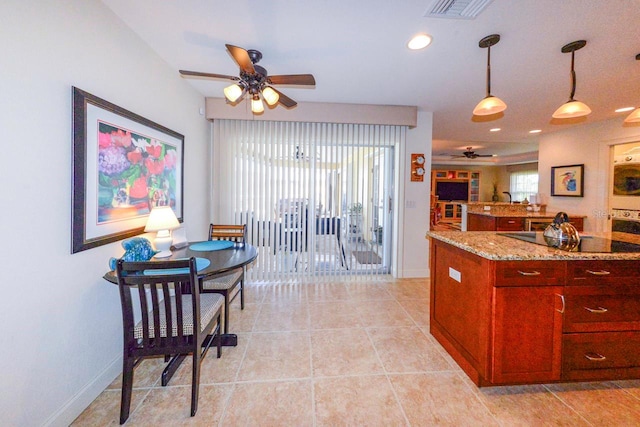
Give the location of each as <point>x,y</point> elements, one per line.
<point>176,319</point>
<point>227,284</point>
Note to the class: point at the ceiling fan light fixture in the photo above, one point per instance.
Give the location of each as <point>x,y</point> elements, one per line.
<point>233,92</point>
<point>489,105</point>
<point>572,108</point>
<point>634,117</point>
<point>270,96</point>
<point>257,106</point>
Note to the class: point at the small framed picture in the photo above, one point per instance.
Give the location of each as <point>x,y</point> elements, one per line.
<point>567,180</point>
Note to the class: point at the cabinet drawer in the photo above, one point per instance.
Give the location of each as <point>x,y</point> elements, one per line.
<point>603,272</point>
<point>596,355</point>
<point>596,311</point>
<point>510,224</point>
<point>530,273</point>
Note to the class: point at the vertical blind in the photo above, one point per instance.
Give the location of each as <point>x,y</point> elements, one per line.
<point>314,196</point>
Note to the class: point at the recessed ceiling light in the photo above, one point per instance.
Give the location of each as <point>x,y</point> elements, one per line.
<point>419,41</point>
<point>622,110</point>
<point>535,131</point>
<point>494,130</point>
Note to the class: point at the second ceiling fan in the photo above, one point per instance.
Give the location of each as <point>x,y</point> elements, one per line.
<point>470,154</point>
<point>255,81</point>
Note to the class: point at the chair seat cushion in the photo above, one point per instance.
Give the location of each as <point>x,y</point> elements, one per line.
<point>223,282</point>
<point>209,306</point>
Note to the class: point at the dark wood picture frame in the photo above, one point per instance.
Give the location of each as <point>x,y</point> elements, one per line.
<point>567,181</point>
<point>139,161</point>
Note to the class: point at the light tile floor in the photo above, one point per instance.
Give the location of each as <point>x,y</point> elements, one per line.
<point>350,354</point>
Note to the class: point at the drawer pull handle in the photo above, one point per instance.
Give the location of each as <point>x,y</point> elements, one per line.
<point>529,273</point>
<point>595,357</point>
<point>596,310</point>
<point>599,273</point>
<point>563,304</point>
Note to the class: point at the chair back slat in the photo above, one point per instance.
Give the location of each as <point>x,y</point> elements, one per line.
<point>235,233</point>
<point>162,315</point>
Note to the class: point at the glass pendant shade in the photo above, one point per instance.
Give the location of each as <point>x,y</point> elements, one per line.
<point>572,109</point>
<point>256,105</point>
<point>634,117</point>
<point>489,105</point>
<point>270,95</point>
<point>233,92</point>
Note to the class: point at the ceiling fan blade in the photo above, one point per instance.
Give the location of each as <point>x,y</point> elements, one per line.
<point>186,73</point>
<point>293,79</point>
<point>241,56</point>
<point>285,100</point>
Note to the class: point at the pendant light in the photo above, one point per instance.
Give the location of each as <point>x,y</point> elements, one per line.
<point>634,117</point>
<point>490,104</point>
<point>572,108</point>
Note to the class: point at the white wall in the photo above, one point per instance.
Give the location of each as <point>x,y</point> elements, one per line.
<point>60,321</point>
<point>587,144</point>
<point>413,251</point>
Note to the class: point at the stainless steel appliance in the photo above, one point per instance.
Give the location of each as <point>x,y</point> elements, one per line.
<point>626,175</point>
<point>625,220</point>
<point>587,243</point>
<point>536,224</point>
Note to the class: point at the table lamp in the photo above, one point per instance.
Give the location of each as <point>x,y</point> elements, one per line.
<point>163,220</point>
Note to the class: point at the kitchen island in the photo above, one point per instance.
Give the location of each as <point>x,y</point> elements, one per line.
<point>482,216</point>
<point>514,312</point>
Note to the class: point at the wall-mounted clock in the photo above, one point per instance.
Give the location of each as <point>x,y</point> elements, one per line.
<point>417,167</point>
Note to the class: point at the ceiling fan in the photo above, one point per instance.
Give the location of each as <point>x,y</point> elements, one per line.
<point>255,81</point>
<point>469,154</point>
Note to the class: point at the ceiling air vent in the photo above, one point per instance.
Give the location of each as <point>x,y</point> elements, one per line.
<point>456,9</point>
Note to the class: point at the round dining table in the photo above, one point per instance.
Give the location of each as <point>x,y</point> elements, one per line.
<point>222,258</point>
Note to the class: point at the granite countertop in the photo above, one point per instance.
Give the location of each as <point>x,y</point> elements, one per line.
<point>526,214</point>
<point>491,245</point>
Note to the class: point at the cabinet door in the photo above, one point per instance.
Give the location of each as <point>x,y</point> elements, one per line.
<point>527,334</point>
<point>478,222</point>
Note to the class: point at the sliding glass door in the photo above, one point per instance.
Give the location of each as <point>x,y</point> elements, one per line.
<point>316,197</point>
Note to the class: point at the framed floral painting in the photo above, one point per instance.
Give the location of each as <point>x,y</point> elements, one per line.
<point>123,166</point>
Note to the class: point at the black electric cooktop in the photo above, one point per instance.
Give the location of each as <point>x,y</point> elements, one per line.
<point>587,243</point>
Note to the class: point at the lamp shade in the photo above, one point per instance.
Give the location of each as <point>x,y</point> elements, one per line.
<point>233,92</point>
<point>162,218</point>
<point>270,95</point>
<point>256,105</point>
<point>634,117</point>
<point>572,109</point>
<point>489,105</point>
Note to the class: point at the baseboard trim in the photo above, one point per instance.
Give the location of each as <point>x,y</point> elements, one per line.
<point>83,398</point>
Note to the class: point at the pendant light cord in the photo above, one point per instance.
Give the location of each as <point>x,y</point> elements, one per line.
<point>488,70</point>
<point>573,77</point>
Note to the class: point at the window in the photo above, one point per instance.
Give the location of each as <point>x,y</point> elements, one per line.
<point>523,184</point>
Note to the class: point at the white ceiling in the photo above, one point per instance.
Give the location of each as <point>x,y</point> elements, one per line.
<point>356,51</point>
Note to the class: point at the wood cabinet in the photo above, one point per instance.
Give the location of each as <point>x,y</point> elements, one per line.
<point>602,320</point>
<point>515,322</point>
<point>527,334</point>
<point>451,210</point>
<point>483,222</point>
